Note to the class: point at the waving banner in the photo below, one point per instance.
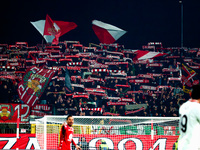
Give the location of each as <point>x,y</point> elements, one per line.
<point>106,33</point>
<point>56,28</point>
<point>33,84</point>
<point>189,78</point>
<point>25,141</point>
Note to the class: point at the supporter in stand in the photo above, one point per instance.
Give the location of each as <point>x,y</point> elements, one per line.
<point>5,93</point>
<point>82,113</point>
<point>97,102</point>
<point>121,111</point>
<point>106,76</point>
<point>91,113</point>
<point>113,110</point>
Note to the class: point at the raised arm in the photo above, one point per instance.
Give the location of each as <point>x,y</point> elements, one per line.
<point>77,147</point>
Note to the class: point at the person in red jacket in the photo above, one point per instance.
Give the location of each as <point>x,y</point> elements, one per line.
<point>66,135</point>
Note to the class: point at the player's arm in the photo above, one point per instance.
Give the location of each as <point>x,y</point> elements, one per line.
<point>197,112</point>
<point>77,147</point>
<point>62,132</point>
<point>62,135</point>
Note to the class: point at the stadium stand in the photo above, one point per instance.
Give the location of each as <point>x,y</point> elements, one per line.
<point>106,79</point>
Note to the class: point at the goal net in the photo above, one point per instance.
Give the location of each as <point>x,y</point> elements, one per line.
<point>113,133</point>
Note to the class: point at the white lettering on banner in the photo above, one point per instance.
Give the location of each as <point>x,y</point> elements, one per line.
<point>33,142</point>
<point>108,129</point>
<point>21,86</point>
<point>161,143</point>
<point>24,117</point>
<point>42,107</point>
<point>10,143</point>
<point>108,141</point>
<point>118,142</point>
<point>26,114</point>
<point>138,143</point>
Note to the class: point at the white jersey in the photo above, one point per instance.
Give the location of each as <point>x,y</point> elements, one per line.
<point>189,126</point>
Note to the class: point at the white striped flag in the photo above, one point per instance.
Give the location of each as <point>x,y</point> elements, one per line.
<point>33,84</point>
<point>141,55</point>
<point>106,33</point>
<point>91,109</point>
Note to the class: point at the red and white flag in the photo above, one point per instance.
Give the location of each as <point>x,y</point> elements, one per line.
<point>56,28</point>
<point>52,29</point>
<point>106,33</point>
<point>141,55</point>
<point>33,84</point>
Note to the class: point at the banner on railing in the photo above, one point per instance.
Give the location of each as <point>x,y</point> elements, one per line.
<point>25,141</point>
<point>116,142</point>
<point>41,110</point>
<point>128,142</point>
<point>10,112</point>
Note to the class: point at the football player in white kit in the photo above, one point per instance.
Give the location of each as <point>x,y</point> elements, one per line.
<point>189,124</point>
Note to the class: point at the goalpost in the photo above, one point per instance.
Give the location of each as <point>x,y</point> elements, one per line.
<point>116,133</point>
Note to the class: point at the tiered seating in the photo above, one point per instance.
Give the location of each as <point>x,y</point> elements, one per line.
<point>105,79</point>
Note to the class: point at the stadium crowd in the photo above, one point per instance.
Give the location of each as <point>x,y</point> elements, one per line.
<point>105,79</point>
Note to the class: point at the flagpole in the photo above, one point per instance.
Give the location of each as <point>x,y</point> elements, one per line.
<point>181,2</point>
<point>181,49</point>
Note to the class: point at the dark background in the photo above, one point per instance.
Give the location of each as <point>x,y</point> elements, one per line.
<point>145,20</point>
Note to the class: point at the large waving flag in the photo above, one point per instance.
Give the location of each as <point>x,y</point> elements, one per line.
<point>142,55</point>
<point>33,84</point>
<point>189,78</point>
<point>57,28</point>
<point>52,29</point>
<point>106,33</point>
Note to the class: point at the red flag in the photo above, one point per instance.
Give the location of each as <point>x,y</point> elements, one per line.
<point>33,84</point>
<point>52,29</point>
<point>142,55</point>
<point>106,33</point>
<point>65,26</point>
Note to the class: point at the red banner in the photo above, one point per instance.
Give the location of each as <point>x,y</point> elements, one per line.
<point>41,110</point>
<point>126,99</point>
<point>33,84</point>
<point>155,65</point>
<point>91,109</point>
<point>139,81</point>
<point>145,76</point>
<point>25,141</point>
<point>169,70</point>
<point>147,87</point>
<point>129,142</point>
<point>116,103</point>
<point>116,63</point>
<point>116,142</point>
<point>134,111</point>
<point>10,112</point>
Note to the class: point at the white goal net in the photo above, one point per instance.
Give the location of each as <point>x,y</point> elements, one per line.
<point>113,133</point>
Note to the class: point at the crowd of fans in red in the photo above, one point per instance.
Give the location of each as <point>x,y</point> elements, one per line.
<point>105,79</point>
